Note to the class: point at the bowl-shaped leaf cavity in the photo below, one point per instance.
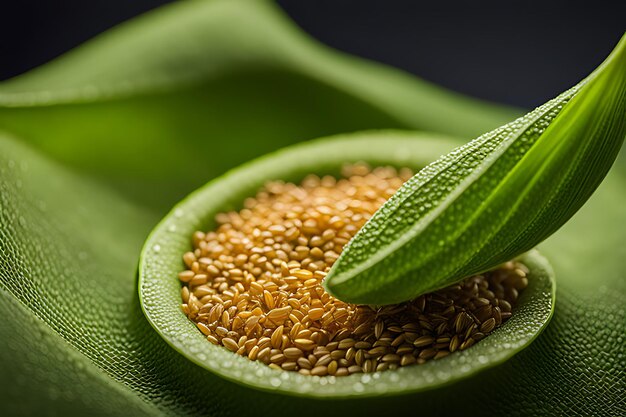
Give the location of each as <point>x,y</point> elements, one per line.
<point>161,261</point>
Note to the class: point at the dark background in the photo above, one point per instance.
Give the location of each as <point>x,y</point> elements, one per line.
<point>515,52</point>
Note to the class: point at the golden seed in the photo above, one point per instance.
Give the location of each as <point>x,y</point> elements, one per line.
<point>332,367</point>
<point>203,328</point>
<point>362,345</point>
<point>338,354</point>
<point>230,344</point>
<point>253,352</point>
<point>407,359</point>
<point>292,353</point>
<point>269,300</point>
<point>355,369</point>
<point>346,343</point>
<point>423,341</point>
<point>289,366</point>
<point>304,363</point>
<point>316,313</point>
<point>277,336</point>
<point>319,370</point>
<point>391,357</point>
<point>304,344</point>
<point>377,351</point>
<point>488,325</point>
<point>278,358</point>
<point>441,354</point>
<point>378,329</point>
<point>427,353</point>
<point>324,360</point>
<point>302,274</point>
<point>186,276</point>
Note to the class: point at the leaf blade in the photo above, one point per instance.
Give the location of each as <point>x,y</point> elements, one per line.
<point>462,215</point>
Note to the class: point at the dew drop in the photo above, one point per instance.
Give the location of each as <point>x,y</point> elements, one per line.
<point>358,387</point>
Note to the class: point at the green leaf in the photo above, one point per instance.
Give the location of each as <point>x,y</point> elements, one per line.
<point>159,287</point>
<point>492,199</point>
<point>211,74</point>
<point>82,178</point>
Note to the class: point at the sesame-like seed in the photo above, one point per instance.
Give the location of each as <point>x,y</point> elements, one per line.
<point>319,370</point>
<point>254,284</point>
<point>423,341</point>
<point>488,325</point>
<point>230,344</point>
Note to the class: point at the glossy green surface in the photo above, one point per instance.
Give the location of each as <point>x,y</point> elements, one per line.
<point>84,180</point>
<point>492,199</point>
<point>182,84</point>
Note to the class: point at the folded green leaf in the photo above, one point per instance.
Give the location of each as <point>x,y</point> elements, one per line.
<point>492,199</point>
<point>159,288</point>
<point>74,339</point>
<point>213,74</point>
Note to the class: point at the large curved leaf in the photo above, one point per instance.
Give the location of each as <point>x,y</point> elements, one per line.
<point>75,211</point>
<point>211,73</point>
<point>491,199</point>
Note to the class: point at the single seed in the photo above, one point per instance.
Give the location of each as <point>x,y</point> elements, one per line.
<point>346,343</point>
<point>407,359</point>
<point>269,300</point>
<point>316,313</point>
<point>441,354</point>
<point>319,370</point>
<point>391,357</point>
<point>277,336</point>
<point>278,358</point>
<point>289,366</point>
<point>186,276</point>
<point>253,353</point>
<point>304,363</point>
<point>292,353</point>
<point>378,329</point>
<point>230,344</point>
<point>324,360</point>
<point>355,369</point>
<point>377,351</point>
<point>427,353</point>
<point>203,328</point>
<point>304,344</point>
<point>488,325</point>
<point>423,341</point>
<point>332,367</point>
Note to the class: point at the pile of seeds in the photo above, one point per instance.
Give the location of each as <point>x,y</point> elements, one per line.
<point>254,284</point>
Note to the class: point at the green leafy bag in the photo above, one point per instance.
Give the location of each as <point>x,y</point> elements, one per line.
<point>96,146</point>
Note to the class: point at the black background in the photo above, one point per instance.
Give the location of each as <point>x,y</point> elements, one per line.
<point>515,52</point>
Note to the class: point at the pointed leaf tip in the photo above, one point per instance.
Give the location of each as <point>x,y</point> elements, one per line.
<point>492,199</point>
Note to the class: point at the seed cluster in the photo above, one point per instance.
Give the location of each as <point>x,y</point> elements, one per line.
<point>254,284</point>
